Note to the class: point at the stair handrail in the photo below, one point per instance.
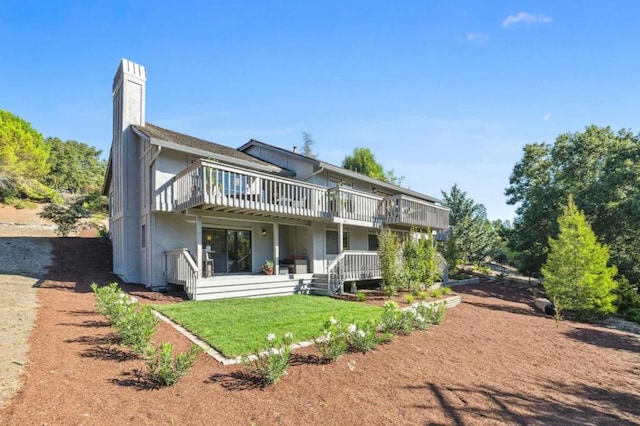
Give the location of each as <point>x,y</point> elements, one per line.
<point>181,269</point>
<point>444,267</point>
<point>340,270</point>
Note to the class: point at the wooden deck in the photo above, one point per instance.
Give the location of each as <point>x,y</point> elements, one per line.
<point>212,186</point>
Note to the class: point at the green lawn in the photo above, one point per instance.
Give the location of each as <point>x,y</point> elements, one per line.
<point>237,326</point>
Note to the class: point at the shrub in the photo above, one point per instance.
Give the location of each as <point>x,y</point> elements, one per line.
<point>165,369</point>
<point>66,218</point>
<point>389,253</point>
<point>632,314</point>
<point>362,338</point>
<point>333,342</point>
<point>108,300</point>
<point>272,365</point>
<point>136,325</point>
<point>445,290</point>
<point>627,295</point>
<point>410,298</point>
<point>395,321</point>
<point>362,296</point>
<point>436,292</point>
<point>433,313</point>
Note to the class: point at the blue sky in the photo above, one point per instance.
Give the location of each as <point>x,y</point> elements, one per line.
<point>443,92</point>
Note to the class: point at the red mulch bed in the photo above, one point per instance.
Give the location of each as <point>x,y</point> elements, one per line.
<point>493,360</point>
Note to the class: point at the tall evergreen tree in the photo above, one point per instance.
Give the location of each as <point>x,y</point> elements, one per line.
<point>576,275</point>
<point>472,235</point>
<point>307,145</point>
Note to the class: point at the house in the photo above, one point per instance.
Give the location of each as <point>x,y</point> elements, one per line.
<point>205,216</point>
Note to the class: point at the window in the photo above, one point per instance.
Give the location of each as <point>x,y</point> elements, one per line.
<point>143,234</point>
<point>373,242</point>
<point>332,241</point>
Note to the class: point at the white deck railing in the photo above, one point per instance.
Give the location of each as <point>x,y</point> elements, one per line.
<point>212,185</point>
<point>181,269</point>
<point>355,205</point>
<point>207,183</point>
<point>400,209</point>
<point>352,265</point>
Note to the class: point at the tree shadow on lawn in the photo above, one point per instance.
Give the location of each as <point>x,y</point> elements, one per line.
<point>486,403</point>
<point>606,338</point>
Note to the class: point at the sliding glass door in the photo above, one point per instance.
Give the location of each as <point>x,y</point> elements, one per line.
<point>231,249</point>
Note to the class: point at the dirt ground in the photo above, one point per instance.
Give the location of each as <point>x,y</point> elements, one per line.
<point>493,361</point>
<point>25,254</point>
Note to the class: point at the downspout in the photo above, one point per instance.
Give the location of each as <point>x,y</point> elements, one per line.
<point>320,170</point>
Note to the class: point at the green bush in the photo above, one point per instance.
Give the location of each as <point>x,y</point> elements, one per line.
<point>410,298</point>
<point>445,290</point>
<point>394,320</point>
<point>422,295</point>
<point>362,296</point>
<point>134,323</point>
<point>66,218</point>
<point>165,369</point>
<point>432,313</point>
<point>136,326</point>
<point>271,366</point>
<point>632,314</point>
<point>362,338</point>
<point>627,295</point>
<point>333,342</point>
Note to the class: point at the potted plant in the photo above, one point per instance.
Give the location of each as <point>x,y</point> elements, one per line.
<point>267,268</point>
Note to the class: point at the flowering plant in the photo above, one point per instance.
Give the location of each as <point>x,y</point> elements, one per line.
<point>333,342</point>
<point>273,363</point>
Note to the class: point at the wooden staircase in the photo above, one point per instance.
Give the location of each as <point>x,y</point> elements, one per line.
<point>319,284</point>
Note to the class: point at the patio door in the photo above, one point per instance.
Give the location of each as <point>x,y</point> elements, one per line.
<point>231,249</point>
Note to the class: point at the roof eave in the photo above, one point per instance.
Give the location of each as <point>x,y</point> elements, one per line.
<point>222,158</point>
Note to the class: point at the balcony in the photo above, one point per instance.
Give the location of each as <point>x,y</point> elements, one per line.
<point>407,211</point>
<point>213,186</point>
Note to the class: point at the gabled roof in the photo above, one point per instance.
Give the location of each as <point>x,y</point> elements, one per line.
<point>218,151</point>
<point>345,172</point>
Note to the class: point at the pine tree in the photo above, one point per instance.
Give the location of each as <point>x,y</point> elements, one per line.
<point>576,275</point>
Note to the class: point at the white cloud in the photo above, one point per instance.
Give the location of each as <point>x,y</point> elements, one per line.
<point>547,116</point>
<point>527,18</point>
<point>477,37</point>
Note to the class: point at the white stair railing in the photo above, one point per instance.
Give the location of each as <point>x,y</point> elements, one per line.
<point>352,265</point>
<point>181,269</point>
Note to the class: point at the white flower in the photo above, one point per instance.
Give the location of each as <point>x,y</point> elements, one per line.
<point>419,318</point>
<point>352,328</point>
<point>288,336</point>
<point>271,337</point>
<point>333,321</point>
<point>361,334</point>
<point>276,351</point>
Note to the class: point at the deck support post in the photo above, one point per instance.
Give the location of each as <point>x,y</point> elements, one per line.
<point>276,249</point>
<point>199,244</point>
